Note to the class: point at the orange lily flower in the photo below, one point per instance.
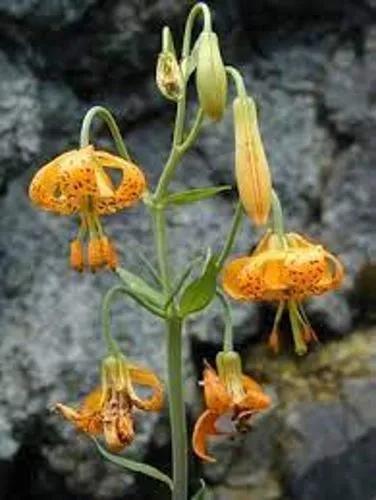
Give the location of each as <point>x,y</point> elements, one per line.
<point>286,270</point>
<point>108,410</point>
<point>229,393</point>
<point>78,181</point>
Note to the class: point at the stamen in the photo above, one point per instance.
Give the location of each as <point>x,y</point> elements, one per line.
<point>77,255</point>
<point>300,344</point>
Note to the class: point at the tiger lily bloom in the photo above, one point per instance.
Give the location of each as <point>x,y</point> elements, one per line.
<point>286,270</point>
<point>78,182</point>
<point>227,393</point>
<point>108,409</point>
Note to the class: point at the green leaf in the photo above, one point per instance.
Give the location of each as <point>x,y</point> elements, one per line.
<point>200,292</point>
<point>202,493</point>
<point>139,287</point>
<point>193,195</point>
<point>126,463</point>
<point>182,279</point>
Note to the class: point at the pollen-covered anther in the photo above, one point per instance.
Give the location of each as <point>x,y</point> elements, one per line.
<point>96,258</point>
<point>109,253</point>
<point>77,255</point>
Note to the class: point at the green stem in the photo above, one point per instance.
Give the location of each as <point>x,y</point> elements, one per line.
<point>177,409</point>
<point>101,112</point>
<point>159,219</point>
<point>228,344</point>
<point>111,344</point>
<point>235,226</point>
<point>238,80</point>
<point>199,8</point>
<point>300,345</point>
<point>277,219</point>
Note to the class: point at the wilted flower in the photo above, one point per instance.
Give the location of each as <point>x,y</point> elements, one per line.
<point>108,410</point>
<point>211,78</point>
<point>78,182</point>
<point>227,393</point>
<point>287,272</point>
<point>251,166</point>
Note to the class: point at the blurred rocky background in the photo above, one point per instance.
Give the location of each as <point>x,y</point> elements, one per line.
<point>311,67</point>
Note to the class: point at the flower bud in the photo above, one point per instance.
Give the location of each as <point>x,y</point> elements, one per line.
<point>251,166</point>
<point>211,78</point>
<point>169,77</point>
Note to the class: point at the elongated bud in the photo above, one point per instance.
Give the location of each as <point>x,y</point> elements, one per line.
<point>76,256</point>
<point>211,78</point>
<point>251,166</point>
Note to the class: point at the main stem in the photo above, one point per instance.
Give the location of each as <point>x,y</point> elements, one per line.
<point>177,409</point>
<point>174,369</point>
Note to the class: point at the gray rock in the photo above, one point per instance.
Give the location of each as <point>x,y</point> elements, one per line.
<point>20,117</point>
<point>315,94</point>
<point>46,13</point>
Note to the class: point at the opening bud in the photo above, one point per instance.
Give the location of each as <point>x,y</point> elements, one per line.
<point>251,166</point>
<point>169,77</point>
<point>211,78</point>
<point>168,74</point>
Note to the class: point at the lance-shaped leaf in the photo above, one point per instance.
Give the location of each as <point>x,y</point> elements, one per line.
<point>126,463</point>
<point>139,287</point>
<point>200,292</point>
<point>193,195</point>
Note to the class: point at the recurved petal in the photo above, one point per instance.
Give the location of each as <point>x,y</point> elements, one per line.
<point>44,189</point>
<point>147,378</point>
<point>204,427</point>
<point>304,268</point>
<point>93,401</point>
<point>230,278</point>
<point>255,398</point>
<point>216,396</point>
<point>129,190</point>
<point>335,269</point>
<point>296,240</point>
<point>109,160</point>
<point>104,183</point>
<point>67,412</point>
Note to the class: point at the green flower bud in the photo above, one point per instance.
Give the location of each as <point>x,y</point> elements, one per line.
<point>211,78</point>
<point>169,77</point>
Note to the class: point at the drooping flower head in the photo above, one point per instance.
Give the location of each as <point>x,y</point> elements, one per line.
<point>286,270</point>
<point>79,182</point>
<point>227,393</point>
<point>108,410</point>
